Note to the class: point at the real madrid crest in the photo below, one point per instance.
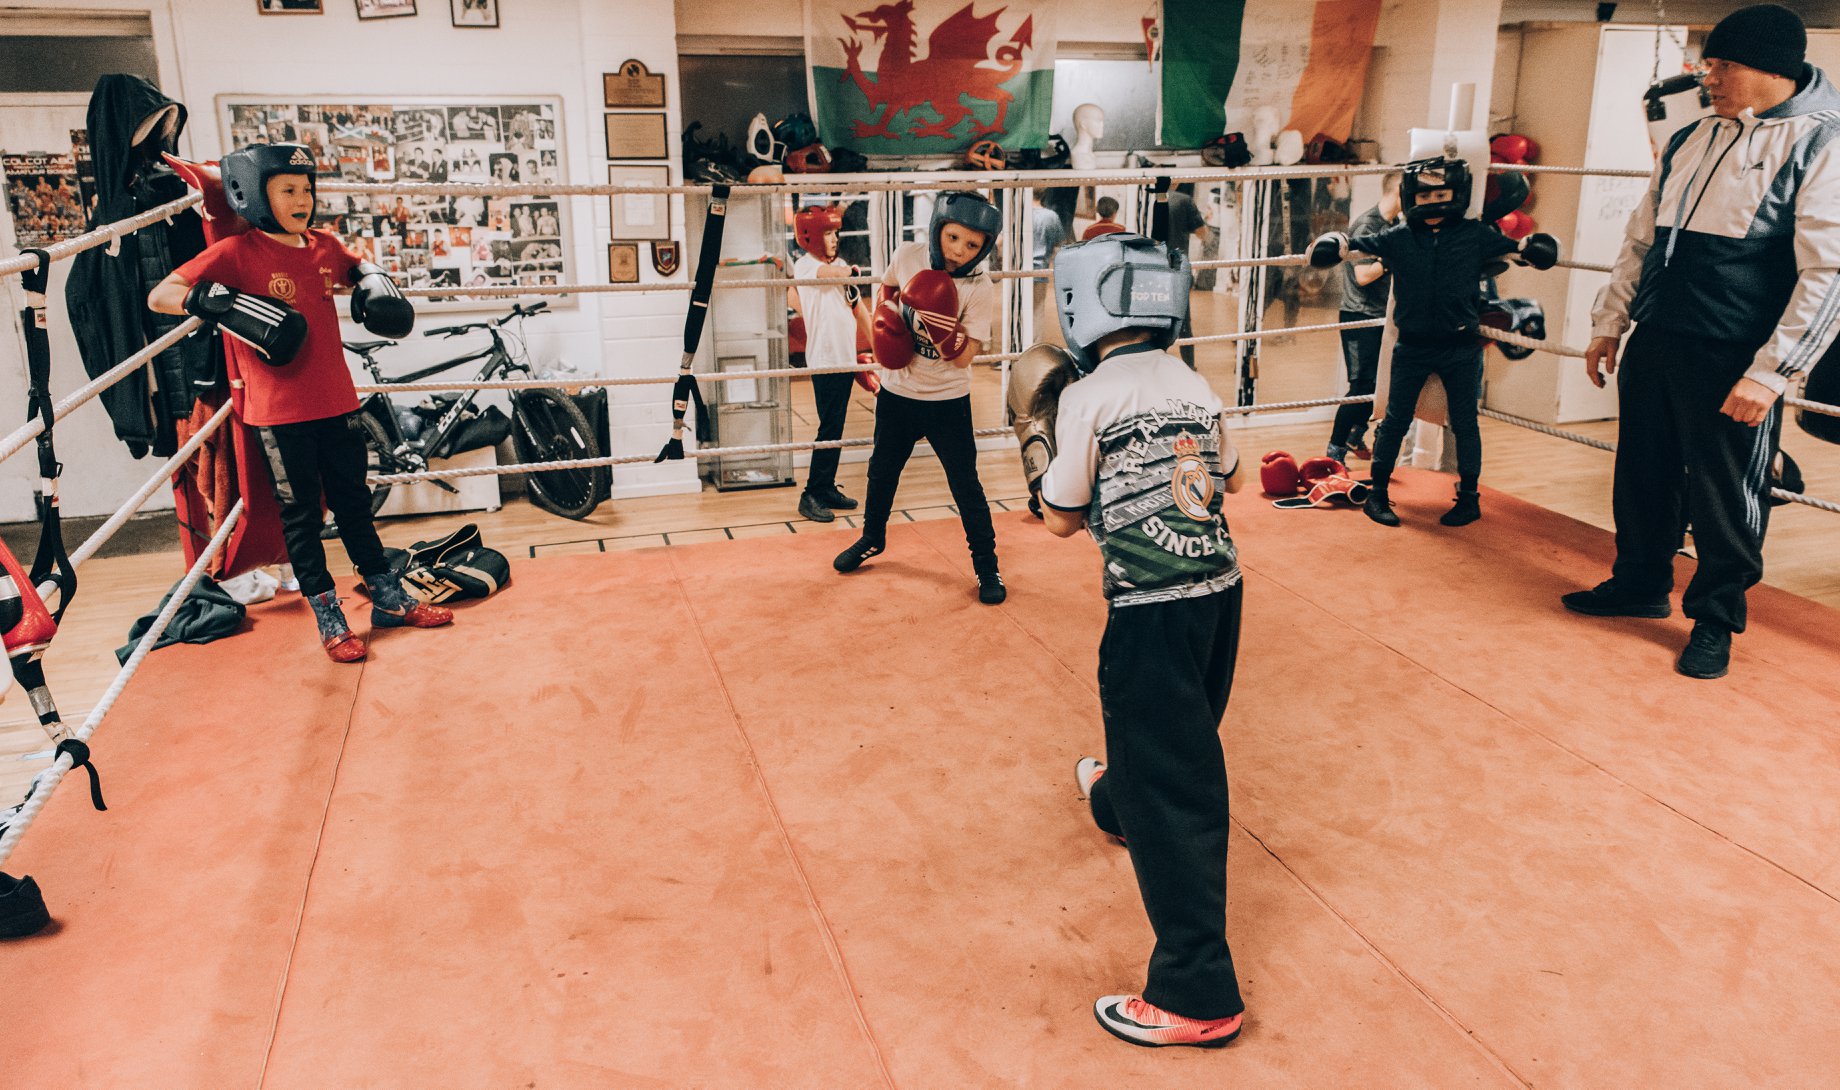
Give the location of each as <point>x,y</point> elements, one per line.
<point>1191,486</point>
<point>665,257</point>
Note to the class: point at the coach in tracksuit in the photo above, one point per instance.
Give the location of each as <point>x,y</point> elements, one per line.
<point>1728,271</point>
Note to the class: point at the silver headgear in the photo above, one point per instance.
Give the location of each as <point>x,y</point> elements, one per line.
<point>1119,281</point>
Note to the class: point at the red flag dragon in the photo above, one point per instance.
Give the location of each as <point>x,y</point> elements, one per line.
<point>956,68</point>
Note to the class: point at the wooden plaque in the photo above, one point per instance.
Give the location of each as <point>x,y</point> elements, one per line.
<point>633,86</point>
<point>623,263</point>
<point>637,136</point>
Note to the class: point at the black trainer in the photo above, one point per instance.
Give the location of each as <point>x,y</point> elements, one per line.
<point>851,558</point>
<point>1708,652</point>
<point>1379,507</point>
<point>991,590</point>
<point>1606,599</point>
<point>835,500</point>
<point>811,507</point>
<point>1466,510</point>
<point>22,907</point>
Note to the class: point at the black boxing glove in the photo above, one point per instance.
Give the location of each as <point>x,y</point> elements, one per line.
<point>1328,250</point>
<point>275,330</point>
<point>853,293</point>
<point>377,305</point>
<point>1540,250</point>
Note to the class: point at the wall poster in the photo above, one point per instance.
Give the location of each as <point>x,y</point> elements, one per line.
<point>428,241</point>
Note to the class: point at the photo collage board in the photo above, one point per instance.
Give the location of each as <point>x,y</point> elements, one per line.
<point>428,241</point>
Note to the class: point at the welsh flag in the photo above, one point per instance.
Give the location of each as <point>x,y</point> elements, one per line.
<point>1307,59</point>
<point>925,77</point>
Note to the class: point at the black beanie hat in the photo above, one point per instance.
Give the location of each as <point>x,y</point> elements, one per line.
<point>1766,37</point>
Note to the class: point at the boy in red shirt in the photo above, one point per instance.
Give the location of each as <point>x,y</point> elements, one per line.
<point>270,291</point>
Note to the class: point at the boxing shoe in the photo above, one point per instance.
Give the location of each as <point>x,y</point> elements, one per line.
<point>334,634</point>
<point>394,607</point>
<point>1087,772</point>
<point>810,507</point>
<point>862,549</point>
<point>1606,599</point>
<point>991,590</point>
<point>1379,506</point>
<point>1134,1019</point>
<point>1708,652</point>
<point>834,499</point>
<point>1466,510</point>
<point>22,907</point>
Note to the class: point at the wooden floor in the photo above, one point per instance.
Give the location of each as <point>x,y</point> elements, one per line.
<point>1800,555</point>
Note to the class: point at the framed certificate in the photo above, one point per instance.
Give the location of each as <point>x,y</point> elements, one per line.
<point>637,136</point>
<point>623,263</point>
<point>640,216</point>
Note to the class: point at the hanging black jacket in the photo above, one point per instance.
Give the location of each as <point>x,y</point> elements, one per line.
<point>130,124</point>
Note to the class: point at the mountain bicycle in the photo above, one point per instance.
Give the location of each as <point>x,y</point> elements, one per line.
<point>546,425</point>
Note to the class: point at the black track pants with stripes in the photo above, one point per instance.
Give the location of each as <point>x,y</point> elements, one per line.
<point>319,460</point>
<point>1682,463</point>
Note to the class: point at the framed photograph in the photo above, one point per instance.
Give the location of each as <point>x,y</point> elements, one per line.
<point>384,9</point>
<point>622,263</point>
<point>633,87</point>
<point>473,13</point>
<point>640,216</point>
<point>291,7</point>
<point>637,136</point>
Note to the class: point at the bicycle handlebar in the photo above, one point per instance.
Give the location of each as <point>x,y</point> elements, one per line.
<point>518,310</point>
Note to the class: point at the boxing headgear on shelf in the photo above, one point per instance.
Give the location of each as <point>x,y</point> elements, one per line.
<point>1673,103</point>
<point>795,131</point>
<point>969,210</point>
<point>986,155</point>
<point>1055,154</point>
<point>1118,281</point>
<point>848,161</point>
<point>811,159</point>
<point>811,224</point>
<point>246,173</point>
<point>761,143</point>
<point>1426,175</point>
<point>1226,150</point>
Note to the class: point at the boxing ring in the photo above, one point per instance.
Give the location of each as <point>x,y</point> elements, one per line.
<point>670,828</point>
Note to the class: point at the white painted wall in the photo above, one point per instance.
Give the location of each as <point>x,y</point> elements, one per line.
<point>544,47</point>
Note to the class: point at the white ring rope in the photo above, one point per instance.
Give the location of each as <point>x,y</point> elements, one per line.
<point>29,431</point>
<point>1277,331</point>
<point>1597,172</point>
<point>161,476</point>
<point>1554,347</point>
<point>1813,406</point>
<point>1601,444</point>
<point>47,781</point>
<point>1275,406</point>
<point>1584,265</point>
<point>101,236</point>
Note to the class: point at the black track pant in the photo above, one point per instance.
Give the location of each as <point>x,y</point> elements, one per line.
<point>1165,671</point>
<point>832,395</point>
<point>1680,462</point>
<point>1459,366</point>
<point>1361,356</point>
<point>310,459</point>
<point>901,422</point>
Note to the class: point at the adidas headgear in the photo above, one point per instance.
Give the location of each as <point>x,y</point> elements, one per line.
<point>246,173</point>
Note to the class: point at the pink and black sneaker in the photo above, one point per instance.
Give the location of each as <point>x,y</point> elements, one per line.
<point>1086,773</point>
<point>1131,1018</point>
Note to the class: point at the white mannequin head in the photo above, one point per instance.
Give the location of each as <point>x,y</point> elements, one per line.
<point>1088,122</point>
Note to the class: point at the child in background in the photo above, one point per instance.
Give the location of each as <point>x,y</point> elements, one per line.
<point>831,317</point>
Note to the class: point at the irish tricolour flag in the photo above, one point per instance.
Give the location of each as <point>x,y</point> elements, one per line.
<point>925,77</point>
<point>1306,59</point>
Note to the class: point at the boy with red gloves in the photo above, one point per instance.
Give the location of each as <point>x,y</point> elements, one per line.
<point>270,292</point>
<point>829,315</point>
<point>933,317</point>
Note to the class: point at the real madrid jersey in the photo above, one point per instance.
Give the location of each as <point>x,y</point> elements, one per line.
<point>1138,446</point>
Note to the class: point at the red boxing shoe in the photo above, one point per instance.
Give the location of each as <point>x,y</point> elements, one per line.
<point>345,648</point>
<point>416,615</point>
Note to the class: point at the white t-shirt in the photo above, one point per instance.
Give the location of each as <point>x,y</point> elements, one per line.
<point>932,379</point>
<point>830,327</point>
<point>1137,444</point>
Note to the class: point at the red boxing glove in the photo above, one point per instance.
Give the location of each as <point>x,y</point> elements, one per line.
<point>892,341</point>
<point>1278,474</point>
<point>25,624</point>
<point>1315,469</point>
<point>932,298</point>
<point>867,379</point>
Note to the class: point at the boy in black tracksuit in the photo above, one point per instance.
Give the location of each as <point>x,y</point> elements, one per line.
<point>1438,259</point>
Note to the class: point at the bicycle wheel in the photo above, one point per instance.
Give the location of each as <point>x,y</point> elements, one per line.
<point>547,427</point>
<point>375,443</point>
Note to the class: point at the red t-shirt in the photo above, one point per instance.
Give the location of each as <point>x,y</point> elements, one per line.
<point>317,383</point>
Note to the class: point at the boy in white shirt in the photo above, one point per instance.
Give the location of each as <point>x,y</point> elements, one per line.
<point>934,316</point>
<point>831,316</point>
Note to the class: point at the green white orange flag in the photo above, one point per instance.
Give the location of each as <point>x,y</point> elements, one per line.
<point>926,77</point>
<point>1307,59</point>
